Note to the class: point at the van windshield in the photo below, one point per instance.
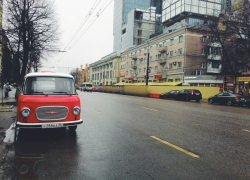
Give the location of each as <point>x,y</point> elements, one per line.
<point>49,85</point>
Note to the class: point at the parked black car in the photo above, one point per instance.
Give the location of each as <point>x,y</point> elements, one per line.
<point>248,103</point>
<point>227,98</point>
<point>169,95</point>
<point>189,94</point>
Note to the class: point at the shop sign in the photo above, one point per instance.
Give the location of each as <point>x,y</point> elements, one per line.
<point>131,78</point>
<point>243,79</point>
<point>245,73</point>
<point>122,73</point>
<point>230,84</point>
<point>158,76</point>
<point>202,77</point>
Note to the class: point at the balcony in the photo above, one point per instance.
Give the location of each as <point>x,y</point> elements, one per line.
<point>134,66</point>
<point>162,49</point>
<point>214,57</point>
<point>162,60</point>
<point>134,57</point>
<point>213,70</point>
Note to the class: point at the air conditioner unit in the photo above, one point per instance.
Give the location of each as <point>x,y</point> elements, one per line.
<point>174,63</point>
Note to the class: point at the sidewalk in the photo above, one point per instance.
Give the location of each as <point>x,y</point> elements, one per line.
<point>7,117</point>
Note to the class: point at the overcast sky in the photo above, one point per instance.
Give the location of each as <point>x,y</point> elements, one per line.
<point>90,44</point>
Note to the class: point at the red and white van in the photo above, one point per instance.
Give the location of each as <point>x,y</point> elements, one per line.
<point>48,100</point>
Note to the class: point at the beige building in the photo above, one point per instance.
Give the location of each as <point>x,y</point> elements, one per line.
<point>176,56</point>
<point>106,70</point>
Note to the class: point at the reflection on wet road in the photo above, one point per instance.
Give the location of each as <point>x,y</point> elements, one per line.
<point>127,137</point>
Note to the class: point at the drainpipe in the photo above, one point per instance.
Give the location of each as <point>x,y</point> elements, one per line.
<point>185,45</point>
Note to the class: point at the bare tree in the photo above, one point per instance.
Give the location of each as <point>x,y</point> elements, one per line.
<point>31,28</point>
<point>228,39</point>
<point>76,74</point>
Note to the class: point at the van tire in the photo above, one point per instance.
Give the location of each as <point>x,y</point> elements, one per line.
<point>72,128</point>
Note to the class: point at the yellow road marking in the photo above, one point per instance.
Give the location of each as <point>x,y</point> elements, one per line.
<point>150,109</point>
<point>176,147</point>
<point>246,130</point>
<point>96,110</point>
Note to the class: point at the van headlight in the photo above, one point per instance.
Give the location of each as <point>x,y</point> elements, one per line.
<point>25,112</point>
<point>76,110</point>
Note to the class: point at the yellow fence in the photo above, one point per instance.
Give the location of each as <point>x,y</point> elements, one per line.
<point>145,90</point>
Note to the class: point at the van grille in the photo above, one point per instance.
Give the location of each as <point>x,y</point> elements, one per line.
<point>52,112</point>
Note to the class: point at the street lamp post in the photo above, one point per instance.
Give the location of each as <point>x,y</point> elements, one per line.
<point>147,72</point>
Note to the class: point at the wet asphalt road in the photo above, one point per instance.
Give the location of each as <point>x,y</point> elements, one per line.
<point>130,137</point>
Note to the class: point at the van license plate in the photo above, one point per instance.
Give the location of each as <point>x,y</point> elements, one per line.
<point>52,125</point>
<point>197,94</point>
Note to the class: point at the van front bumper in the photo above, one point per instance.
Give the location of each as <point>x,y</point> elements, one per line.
<point>49,125</point>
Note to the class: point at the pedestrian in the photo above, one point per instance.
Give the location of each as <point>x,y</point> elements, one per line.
<point>6,89</point>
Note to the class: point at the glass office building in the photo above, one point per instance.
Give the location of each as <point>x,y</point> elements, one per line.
<point>121,11</point>
<point>174,9</point>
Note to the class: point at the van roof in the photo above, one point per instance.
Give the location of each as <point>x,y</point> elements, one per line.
<point>50,74</point>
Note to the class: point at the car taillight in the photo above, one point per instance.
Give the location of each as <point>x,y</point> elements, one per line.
<point>236,98</point>
<point>192,92</point>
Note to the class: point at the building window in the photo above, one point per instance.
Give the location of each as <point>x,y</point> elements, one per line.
<point>171,41</point>
<point>126,72</point>
<point>179,51</point>
<point>130,71</point>
<point>203,51</point>
<point>170,66</point>
<point>151,48</point>
<point>144,70</point>
<point>171,54</point>
<point>214,50</point>
<point>170,80</point>
<point>157,46</point>
<point>164,43</point>
<point>215,64</point>
<point>131,63</point>
<point>203,64</point>
<point>145,60</point>
<point>196,72</point>
<point>180,38</point>
<point>140,52</point>
<point>140,70</point>
<point>179,64</point>
<point>124,31</point>
<point>203,39</point>
<point>157,57</point>
<point>156,68</point>
<point>178,80</point>
<point>150,58</point>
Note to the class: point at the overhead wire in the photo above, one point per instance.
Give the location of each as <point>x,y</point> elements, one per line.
<point>82,24</point>
<point>91,24</point>
<point>93,20</point>
<point>79,28</point>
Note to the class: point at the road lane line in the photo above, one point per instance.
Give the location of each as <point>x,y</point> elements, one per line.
<point>150,109</point>
<point>246,130</point>
<point>176,147</point>
<point>96,110</point>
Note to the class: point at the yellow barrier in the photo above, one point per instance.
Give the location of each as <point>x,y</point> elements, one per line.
<point>145,90</point>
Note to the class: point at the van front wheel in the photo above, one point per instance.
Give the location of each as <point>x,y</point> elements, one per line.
<point>72,128</point>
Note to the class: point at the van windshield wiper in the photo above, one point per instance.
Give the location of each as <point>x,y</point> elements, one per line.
<point>61,92</point>
<point>38,93</point>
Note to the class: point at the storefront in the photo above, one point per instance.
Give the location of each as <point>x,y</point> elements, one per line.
<point>229,83</point>
<point>242,86</point>
<point>204,81</point>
